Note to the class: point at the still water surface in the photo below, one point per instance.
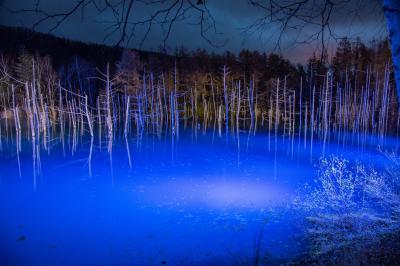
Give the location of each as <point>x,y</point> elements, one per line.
<point>199,200</point>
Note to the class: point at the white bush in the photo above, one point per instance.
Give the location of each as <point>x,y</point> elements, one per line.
<point>351,204</point>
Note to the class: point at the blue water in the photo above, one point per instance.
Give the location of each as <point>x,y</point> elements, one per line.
<point>199,200</point>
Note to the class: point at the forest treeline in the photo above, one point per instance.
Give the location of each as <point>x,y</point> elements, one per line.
<point>83,86</point>
<point>73,62</point>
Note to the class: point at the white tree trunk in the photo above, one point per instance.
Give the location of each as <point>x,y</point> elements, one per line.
<point>391,8</point>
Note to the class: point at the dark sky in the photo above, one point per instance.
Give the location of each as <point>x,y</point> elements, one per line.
<point>231,17</point>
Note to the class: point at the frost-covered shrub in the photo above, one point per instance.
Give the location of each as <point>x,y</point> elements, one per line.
<point>351,204</point>
<point>393,170</point>
<point>337,183</point>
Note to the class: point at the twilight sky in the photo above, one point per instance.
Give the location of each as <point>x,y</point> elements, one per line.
<point>358,18</point>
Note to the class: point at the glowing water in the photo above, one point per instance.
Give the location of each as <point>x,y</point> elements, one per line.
<point>193,201</point>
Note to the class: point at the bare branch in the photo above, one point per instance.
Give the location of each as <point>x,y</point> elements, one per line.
<point>167,13</point>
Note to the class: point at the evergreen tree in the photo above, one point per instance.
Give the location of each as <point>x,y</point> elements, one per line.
<point>23,68</point>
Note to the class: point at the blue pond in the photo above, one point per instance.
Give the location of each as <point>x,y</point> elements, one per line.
<point>199,200</point>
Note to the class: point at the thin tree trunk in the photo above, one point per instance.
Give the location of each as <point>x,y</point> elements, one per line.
<point>391,8</point>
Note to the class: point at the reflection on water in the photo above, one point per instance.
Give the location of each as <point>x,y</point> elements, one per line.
<point>194,200</point>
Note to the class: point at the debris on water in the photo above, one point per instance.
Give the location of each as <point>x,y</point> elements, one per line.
<point>20,226</point>
<point>21,238</point>
<point>53,246</point>
<point>163,262</point>
<point>149,236</point>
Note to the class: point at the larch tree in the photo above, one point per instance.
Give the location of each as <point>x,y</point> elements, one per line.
<point>287,15</point>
